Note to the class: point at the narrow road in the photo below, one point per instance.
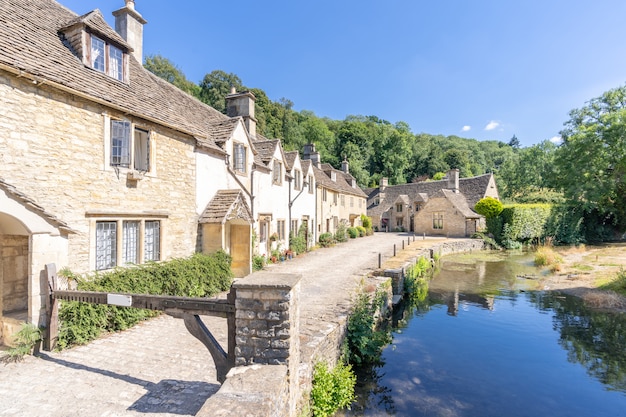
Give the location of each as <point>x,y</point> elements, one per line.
<point>157,368</point>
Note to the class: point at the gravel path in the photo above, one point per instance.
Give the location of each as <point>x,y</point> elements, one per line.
<point>157,368</point>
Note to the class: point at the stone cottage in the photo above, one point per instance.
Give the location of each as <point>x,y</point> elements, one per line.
<point>442,207</point>
<point>103,164</point>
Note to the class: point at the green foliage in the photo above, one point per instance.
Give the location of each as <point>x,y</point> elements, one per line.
<point>167,70</point>
<point>547,256</point>
<point>333,389</point>
<point>362,231</point>
<point>215,86</point>
<point>364,340</point>
<point>326,240</point>
<point>258,262</point>
<point>297,243</point>
<point>341,234</point>
<point>489,207</point>
<point>197,276</point>
<point>25,340</point>
<point>591,161</point>
<point>524,222</point>
<point>416,280</point>
<point>352,232</point>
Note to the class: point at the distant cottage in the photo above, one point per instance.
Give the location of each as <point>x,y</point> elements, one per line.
<point>442,207</point>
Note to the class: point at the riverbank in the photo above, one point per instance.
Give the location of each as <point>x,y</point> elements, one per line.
<point>584,270</point>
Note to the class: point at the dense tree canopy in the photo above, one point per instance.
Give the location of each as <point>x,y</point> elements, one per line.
<point>591,162</point>
<point>588,170</point>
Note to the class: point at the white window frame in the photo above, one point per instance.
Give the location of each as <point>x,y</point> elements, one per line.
<point>438,220</point>
<point>106,58</point>
<point>125,241</point>
<point>280,229</point>
<point>297,180</point>
<point>311,185</point>
<point>137,146</point>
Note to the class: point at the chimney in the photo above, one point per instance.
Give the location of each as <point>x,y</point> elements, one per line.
<point>384,182</point>
<point>345,167</point>
<point>242,104</point>
<point>129,25</point>
<point>311,154</point>
<point>453,180</point>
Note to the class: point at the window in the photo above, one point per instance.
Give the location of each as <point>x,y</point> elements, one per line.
<point>262,231</point>
<point>437,220</point>
<point>335,195</point>
<point>417,207</point>
<point>333,176</point>
<point>343,200</point>
<point>297,180</point>
<point>352,202</point>
<point>142,150</point>
<point>280,229</point>
<point>130,242</point>
<point>399,208</point>
<point>152,241</point>
<point>106,58</point>
<point>294,227</point>
<point>376,201</point>
<point>239,157</point>
<point>135,234</point>
<point>106,247</point>
<point>324,195</point>
<point>277,173</point>
<point>360,202</point>
<point>399,221</point>
<point>126,147</point>
<point>311,184</point>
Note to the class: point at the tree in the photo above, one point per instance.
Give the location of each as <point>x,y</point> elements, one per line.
<point>215,86</point>
<point>591,161</point>
<point>514,142</point>
<point>166,69</point>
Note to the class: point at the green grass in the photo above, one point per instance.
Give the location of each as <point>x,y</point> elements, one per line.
<point>618,284</point>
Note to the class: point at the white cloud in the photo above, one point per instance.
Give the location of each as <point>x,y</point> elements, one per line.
<point>466,128</point>
<point>492,125</point>
<point>556,140</point>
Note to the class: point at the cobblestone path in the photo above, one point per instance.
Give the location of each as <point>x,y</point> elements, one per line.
<point>157,368</point>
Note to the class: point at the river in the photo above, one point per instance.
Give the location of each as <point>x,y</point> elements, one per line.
<point>485,342</point>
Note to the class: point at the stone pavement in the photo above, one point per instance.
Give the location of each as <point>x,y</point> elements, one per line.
<point>157,368</point>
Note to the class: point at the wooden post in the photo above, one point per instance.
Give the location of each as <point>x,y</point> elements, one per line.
<point>380,260</point>
<point>52,309</point>
<point>402,244</point>
<point>394,249</point>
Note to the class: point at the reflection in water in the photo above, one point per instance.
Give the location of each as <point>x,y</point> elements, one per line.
<point>479,340</point>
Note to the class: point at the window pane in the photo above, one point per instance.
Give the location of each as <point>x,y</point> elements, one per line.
<point>239,157</point>
<point>106,246</point>
<point>116,63</point>
<point>130,242</point>
<point>120,143</point>
<point>142,150</point>
<point>97,54</point>
<point>152,241</point>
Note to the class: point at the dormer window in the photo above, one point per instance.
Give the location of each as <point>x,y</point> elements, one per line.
<point>106,58</point>
<point>333,176</point>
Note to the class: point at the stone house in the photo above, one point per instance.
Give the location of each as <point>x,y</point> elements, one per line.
<point>103,164</point>
<point>301,196</point>
<point>339,199</point>
<point>442,207</point>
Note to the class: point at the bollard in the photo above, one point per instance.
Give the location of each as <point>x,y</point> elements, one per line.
<point>380,260</point>
<point>408,241</point>
<point>394,249</point>
<point>424,238</point>
<point>402,244</point>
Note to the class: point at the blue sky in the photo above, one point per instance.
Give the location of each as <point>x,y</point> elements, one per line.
<point>482,69</point>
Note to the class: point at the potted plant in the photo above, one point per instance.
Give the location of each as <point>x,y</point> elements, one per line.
<point>274,237</point>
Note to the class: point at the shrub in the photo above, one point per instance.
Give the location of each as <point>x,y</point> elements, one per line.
<point>25,341</point>
<point>197,276</point>
<point>546,256</point>
<point>341,234</point>
<point>352,232</point>
<point>297,243</point>
<point>365,342</point>
<point>326,240</point>
<point>489,207</point>
<point>366,221</point>
<point>618,284</point>
<point>362,231</point>
<point>258,262</point>
<point>332,389</point>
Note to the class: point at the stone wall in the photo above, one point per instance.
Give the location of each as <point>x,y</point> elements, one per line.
<point>453,220</point>
<point>54,152</point>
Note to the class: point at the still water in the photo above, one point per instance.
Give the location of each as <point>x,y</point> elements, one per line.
<point>485,342</point>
